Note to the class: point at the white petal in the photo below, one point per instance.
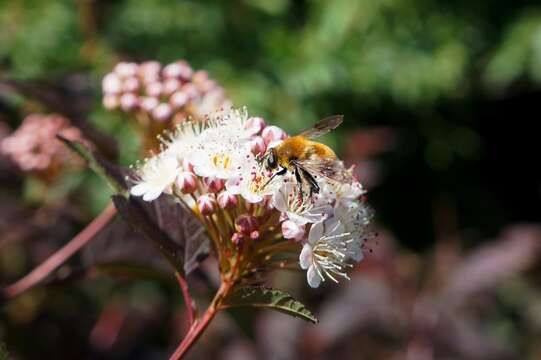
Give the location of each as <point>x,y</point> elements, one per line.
<point>316,232</point>
<point>139,189</point>
<point>152,194</point>
<point>313,277</point>
<point>278,200</point>
<point>251,197</point>
<point>305,258</point>
<point>356,254</point>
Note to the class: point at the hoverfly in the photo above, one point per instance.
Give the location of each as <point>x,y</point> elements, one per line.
<point>308,159</point>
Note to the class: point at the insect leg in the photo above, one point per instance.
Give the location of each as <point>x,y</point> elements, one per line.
<point>314,187</point>
<point>299,182</point>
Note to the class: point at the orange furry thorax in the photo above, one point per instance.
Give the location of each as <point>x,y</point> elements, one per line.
<point>300,148</point>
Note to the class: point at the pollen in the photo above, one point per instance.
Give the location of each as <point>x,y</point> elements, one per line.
<point>221,161</point>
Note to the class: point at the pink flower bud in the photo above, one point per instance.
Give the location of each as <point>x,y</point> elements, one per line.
<point>237,239</point>
<point>110,101</point>
<point>246,224</point>
<point>130,84</point>
<point>214,184</point>
<point>186,182</point>
<point>254,235</point>
<point>291,230</point>
<point>187,165</point>
<point>111,84</point>
<point>257,145</point>
<point>190,90</point>
<point>206,204</point>
<point>148,104</point>
<point>207,86</point>
<point>170,86</point>
<point>200,76</point>
<point>126,69</point>
<point>178,100</point>
<point>226,200</point>
<point>255,125</point>
<point>154,89</point>
<point>128,102</point>
<point>179,69</point>
<point>150,70</point>
<point>273,133</point>
<point>162,112</point>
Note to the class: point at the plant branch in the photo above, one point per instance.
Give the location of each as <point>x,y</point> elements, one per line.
<point>190,303</point>
<point>200,325</point>
<point>62,255</point>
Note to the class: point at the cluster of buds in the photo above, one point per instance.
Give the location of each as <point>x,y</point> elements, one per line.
<point>257,221</point>
<point>160,96</point>
<point>34,147</point>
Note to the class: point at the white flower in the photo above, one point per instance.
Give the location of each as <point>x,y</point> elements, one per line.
<point>223,147</point>
<point>185,139</point>
<point>343,193</point>
<point>251,181</point>
<point>156,176</point>
<point>325,253</point>
<point>355,216</point>
<point>301,211</point>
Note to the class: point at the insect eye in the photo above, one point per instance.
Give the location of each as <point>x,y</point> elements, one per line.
<point>271,161</point>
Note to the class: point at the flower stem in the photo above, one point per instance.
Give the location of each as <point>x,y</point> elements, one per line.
<point>200,325</point>
<point>61,256</point>
<point>188,301</point>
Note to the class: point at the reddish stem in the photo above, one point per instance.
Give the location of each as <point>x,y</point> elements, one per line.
<point>190,304</point>
<point>200,325</point>
<point>59,257</point>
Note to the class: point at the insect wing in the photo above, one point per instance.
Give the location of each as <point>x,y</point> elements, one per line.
<point>323,126</point>
<point>327,168</point>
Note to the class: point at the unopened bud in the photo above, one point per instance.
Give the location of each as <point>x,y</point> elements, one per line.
<point>187,165</point>
<point>291,230</point>
<point>178,100</point>
<point>254,235</point>
<point>226,200</point>
<point>111,84</point>
<point>128,102</point>
<point>170,86</point>
<point>206,204</point>
<point>200,76</point>
<point>130,84</point>
<point>154,89</point>
<point>110,101</point>
<point>214,184</point>
<point>149,70</point>
<point>255,125</point>
<point>148,104</point>
<point>186,182</point>
<point>257,145</point>
<point>190,90</point>
<point>246,224</point>
<point>162,112</point>
<point>125,69</point>
<point>237,239</point>
<point>179,69</point>
<point>273,133</point>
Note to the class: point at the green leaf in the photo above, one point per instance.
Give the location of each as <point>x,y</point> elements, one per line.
<point>257,296</point>
<point>113,174</point>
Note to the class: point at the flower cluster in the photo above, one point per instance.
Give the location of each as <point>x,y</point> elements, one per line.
<point>161,94</point>
<point>33,147</point>
<point>214,166</point>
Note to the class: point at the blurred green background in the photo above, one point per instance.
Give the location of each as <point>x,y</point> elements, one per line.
<point>454,86</point>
